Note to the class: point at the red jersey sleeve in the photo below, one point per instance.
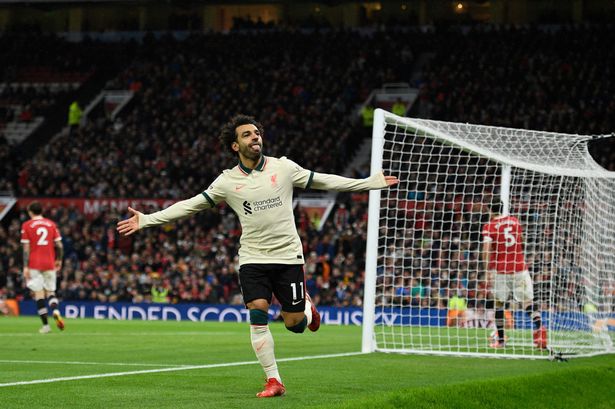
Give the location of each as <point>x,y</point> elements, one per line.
<point>56,233</point>
<point>25,238</point>
<point>488,232</point>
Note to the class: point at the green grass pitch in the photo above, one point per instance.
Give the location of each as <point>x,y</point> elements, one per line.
<point>156,364</point>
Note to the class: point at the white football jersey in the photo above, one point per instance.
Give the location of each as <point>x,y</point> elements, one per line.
<point>263,201</point>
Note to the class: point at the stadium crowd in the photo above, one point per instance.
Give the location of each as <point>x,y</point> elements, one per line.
<point>557,79</point>
<point>304,86</point>
<point>40,71</point>
<point>24,102</point>
<point>194,260</point>
<point>33,56</point>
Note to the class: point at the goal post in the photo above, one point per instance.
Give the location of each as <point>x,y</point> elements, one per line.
<point>425,284</point>
<point>369,297</point>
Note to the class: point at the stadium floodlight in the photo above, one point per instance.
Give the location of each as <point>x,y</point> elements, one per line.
<point>424,239</point>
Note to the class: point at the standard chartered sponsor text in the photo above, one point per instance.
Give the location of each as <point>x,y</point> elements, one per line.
<point>267,204</point>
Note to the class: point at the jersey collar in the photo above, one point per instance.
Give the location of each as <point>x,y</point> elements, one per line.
<point>259,166</point>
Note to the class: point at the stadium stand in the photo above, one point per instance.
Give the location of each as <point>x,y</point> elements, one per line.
<point>305,93</point>
<point>186,90</point>
<point>542,78</point>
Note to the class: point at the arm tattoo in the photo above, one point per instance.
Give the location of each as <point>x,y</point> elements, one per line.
<point>26,256</point>
<point>59,252</point>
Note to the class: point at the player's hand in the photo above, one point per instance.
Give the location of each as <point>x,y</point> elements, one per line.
<point>391,180</point>
<point>58,265</point>
<point>26,273</point>
<point>129,226</point>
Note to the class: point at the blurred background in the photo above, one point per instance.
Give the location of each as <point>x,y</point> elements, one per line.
<point>105,104</point>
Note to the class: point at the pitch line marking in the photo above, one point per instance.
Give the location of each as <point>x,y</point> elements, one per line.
<point>178,368</point>
<point>15,361</point>
<point>102,334</point>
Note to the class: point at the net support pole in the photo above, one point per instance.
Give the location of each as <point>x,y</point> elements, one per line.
<point>505,189</point>
<point>373,224</point>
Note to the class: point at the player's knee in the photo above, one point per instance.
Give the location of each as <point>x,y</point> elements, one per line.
<point>41,307</point>
<point>53,301</point>
<point>258,304</point>
<point>258,317</point>
<point>298,328</point>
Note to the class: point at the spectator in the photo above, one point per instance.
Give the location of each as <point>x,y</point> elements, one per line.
<point>457,305</point>
<point>74,118</point>
<point>399,108</point>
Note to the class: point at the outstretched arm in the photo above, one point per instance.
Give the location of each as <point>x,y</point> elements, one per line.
<point>324,181</point>
<point>176,211</point>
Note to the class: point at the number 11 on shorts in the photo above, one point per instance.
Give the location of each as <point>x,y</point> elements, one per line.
<point>294,287</point>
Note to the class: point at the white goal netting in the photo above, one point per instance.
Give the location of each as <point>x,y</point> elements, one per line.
<point>426,288</point>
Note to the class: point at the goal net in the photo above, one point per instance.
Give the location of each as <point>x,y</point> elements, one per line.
<point>426,289</point>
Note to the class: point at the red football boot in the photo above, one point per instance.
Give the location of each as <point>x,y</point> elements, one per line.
<point>315,324</point>
<point>272,388</point>
<point>497,344</point>
<point>59,321</point>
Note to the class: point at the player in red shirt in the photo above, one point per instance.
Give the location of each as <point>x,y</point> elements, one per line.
<point>42,259</point>
<point>507,273</point>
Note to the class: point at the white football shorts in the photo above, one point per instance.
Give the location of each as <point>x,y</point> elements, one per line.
<point>517,286</point>
<point>42,280</point>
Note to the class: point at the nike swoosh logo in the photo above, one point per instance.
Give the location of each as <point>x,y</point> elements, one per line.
<point>239,187</point>
<point>258,348</point>
<point>296,302</point>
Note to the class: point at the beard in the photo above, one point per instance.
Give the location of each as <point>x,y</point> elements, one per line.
<point>249,153</point>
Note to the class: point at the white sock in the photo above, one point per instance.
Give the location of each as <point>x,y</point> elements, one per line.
<point>308,311</point>
<point>262,343</point>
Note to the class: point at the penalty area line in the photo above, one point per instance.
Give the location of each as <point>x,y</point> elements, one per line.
<point>174,369</point>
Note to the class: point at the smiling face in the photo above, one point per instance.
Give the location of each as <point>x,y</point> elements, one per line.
<point>249,142</point>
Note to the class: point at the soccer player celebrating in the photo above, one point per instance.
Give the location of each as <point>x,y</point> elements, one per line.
<point>42,259</point>
<point>507,273</point>
<point>260,190</point>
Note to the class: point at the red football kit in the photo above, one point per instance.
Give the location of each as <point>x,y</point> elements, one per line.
<point>505,235</point>
<point>41,233</point>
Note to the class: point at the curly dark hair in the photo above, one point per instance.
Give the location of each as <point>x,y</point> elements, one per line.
<point>228,134</point>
